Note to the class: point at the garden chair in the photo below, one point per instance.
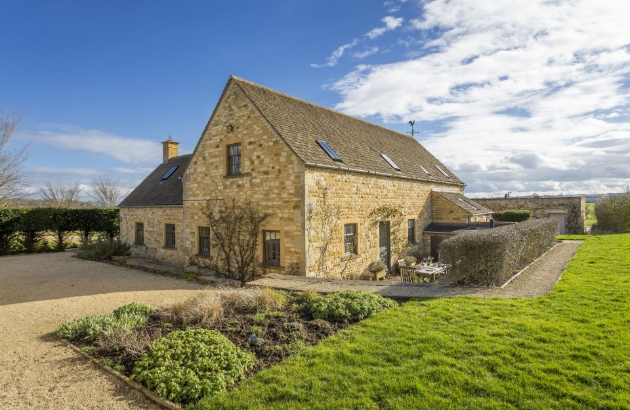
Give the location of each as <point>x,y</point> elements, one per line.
<point>401,262</point>
<point>407,274</point>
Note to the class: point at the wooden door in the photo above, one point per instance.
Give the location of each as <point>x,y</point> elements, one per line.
<point>384,243</point>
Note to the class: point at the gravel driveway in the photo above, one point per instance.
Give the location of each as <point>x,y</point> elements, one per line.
<point>37,294</point>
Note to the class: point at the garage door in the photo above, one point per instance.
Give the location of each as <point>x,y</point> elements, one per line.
<point>560,219</point>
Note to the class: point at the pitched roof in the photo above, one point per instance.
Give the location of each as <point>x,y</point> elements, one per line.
<point>358,143</point>
<point>466,204</point>
<point>154,191</point>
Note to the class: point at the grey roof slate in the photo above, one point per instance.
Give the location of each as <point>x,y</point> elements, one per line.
<point>155,192</point>
<point>358,143</point>
<point>466,204</point>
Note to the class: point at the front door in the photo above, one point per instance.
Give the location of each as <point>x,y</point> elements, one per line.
<point>384,243</point>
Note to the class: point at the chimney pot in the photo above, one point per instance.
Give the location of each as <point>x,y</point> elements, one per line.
<point>169,149</point>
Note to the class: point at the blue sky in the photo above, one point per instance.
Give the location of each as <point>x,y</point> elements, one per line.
<point>526,96</point>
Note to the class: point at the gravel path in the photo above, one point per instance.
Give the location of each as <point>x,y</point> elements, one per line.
<point>536,280</point>
<point>37,294</point>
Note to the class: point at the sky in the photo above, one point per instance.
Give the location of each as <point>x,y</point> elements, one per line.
<point>527,96</point>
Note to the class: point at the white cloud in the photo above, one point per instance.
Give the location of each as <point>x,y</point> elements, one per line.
<point>391,23</point>
<point>332,60</point>
<point>127,150</point>
<point>526,90</point>
<point>368,51</point>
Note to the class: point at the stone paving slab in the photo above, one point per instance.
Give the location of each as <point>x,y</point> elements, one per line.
<point>536,280</point>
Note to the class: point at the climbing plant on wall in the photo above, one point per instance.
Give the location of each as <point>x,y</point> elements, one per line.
<point>398,228</point>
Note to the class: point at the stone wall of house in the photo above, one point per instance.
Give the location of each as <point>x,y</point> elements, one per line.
<point>446,211</point>
<point>354,196</point>
<point>272,178</point>
<point>574,209</point>
<point>154,220</point>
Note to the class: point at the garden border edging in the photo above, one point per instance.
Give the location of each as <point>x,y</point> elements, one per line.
<point>134,385</point>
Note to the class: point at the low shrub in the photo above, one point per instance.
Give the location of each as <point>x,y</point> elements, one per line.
<point>103,249</point>
<point>349,305</point>
<point>515,215</point>
<point>613,213</point>
<point>133,308</point>
<point>187,365</point>
<point>134,342</point>
<point>94,326</point>
<point>487,257</point>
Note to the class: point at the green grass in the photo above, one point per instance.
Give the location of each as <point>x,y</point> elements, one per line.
<point>590,214</point>
<point>590,222</point>
<point>567,350</point>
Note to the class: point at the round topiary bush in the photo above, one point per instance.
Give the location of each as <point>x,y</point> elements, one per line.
<point>187,365</point>
<point>349,305</point>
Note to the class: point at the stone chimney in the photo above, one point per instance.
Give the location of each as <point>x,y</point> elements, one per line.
<point>169,149</point>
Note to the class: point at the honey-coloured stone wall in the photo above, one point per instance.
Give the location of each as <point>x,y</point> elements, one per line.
<point>356,195</point>
<point>574,209</point>
<point>271,179</point>
<point>154,219</point>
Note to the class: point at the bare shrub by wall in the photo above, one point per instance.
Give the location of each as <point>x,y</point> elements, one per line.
<point>491,256</point>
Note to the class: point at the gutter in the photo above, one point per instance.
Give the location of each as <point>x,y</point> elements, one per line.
<point>363,171</point>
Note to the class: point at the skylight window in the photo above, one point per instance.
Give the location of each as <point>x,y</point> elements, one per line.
<point>331,152</point>
<point>469,204</point>
<point>442,171</point>
<point>170,172</point>
<point>425,170</point>
<point>390,162</point>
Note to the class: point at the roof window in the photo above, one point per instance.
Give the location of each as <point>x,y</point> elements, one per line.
<point>390,162</point>
<point>331,152</point>
<point>170,172</point>
<point>425,170</point>
<point>469,204</point>
<point>442,171</point>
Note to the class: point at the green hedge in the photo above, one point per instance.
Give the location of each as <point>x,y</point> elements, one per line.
<point>489,257</point>
<point>613,213</point>
<point>21,230</point>
<point>514,215</point>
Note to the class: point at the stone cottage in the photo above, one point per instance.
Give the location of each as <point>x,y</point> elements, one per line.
<point>341,191</point>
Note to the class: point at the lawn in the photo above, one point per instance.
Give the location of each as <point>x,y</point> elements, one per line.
<point>567,350</point>
<point>590,214</point>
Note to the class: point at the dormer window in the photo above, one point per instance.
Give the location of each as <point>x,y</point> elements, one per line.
<point>328,149</point>
<point>170,172</point>
<point>442,171</point>
<point>390,162</point>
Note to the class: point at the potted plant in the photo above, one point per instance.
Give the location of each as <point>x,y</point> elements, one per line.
<point>410,260</point>
<point>377,267</point>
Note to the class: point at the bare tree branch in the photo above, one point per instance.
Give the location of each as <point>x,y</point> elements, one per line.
<point>61,196</point>
<point>12,179</point>
<point>106,191</point>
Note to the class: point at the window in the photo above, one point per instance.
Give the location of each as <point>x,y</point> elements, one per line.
<point>169,230</point>
<point>204,241</point>
<point>139,233</point>
<point>234,159</point>
<point>411,231</point>
<point>271,247</point>
<point>442,171</point>
<point>390,162</point>
<point>170,172</point>
<point>350,239</point>
<point>425,170</point>
<point>331,152</point>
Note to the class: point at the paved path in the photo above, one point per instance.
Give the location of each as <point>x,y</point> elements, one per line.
<point>536,280</point>
<point>37,294</point>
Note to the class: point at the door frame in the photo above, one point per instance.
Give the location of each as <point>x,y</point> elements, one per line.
<point>388,262</point>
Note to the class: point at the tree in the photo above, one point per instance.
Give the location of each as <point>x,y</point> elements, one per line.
<point>61,195</point>
<point>12,180</point>
<point>106,191</point>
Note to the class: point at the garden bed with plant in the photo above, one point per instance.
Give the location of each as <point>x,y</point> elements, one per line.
<point>194,348</point>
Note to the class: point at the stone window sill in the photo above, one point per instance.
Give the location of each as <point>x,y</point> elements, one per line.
<point>139,245</point>
<point>348,257</point>
<point>167,248</point>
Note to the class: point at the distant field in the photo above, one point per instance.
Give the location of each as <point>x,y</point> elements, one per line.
<point>590,214</point>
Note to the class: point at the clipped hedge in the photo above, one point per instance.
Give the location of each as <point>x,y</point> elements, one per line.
<point>491,256</point>
<point>21,229</point>
<point>613,213</point>
<point>513,215</point>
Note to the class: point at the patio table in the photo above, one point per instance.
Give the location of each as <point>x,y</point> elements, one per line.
<point>431,272</point>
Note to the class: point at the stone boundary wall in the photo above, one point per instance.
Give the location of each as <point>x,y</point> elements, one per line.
<point>574,209</point>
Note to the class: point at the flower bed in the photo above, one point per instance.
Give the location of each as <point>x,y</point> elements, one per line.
<point>236,333</point>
